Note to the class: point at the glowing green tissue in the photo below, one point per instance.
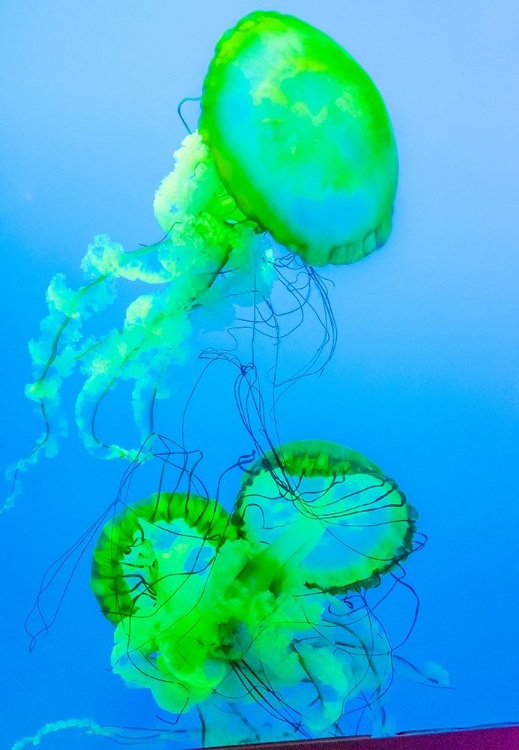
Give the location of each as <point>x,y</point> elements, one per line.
<point>301,138</point>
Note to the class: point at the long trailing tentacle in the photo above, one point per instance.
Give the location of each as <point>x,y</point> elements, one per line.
<point>204,231</point>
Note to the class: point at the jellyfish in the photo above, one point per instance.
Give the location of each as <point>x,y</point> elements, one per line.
<point>294,153</point>
<point>301,138</point>
<point>252,625</point>
<point>345,521</point>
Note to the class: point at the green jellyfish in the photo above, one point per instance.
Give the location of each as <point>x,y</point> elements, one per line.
<point>125,570</point>
<point>344,520</point>
<point>244,615</point>
<point>301,138</point>
<point>294,146</point>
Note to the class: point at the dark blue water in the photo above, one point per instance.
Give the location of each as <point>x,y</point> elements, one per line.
<point>425,378</point>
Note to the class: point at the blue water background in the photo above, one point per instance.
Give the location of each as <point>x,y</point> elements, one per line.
<point>425,379</point>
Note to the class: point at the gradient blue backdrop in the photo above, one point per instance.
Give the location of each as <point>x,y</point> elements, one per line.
<point>425,380</point>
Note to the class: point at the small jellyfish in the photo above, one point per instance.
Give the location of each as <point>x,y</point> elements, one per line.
<point>344,520</point>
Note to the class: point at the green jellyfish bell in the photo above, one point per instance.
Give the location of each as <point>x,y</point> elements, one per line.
<point>133,556</point>
<point>301,138</point>
<point>339,519</point>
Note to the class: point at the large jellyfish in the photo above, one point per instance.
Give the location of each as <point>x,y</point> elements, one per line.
<point>294,151</point>
<point>253,625</point>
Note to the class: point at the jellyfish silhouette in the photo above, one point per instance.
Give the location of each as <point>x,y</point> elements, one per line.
<point>294,152</point>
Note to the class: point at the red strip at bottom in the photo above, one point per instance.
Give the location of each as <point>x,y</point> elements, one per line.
<point>496,738</point>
